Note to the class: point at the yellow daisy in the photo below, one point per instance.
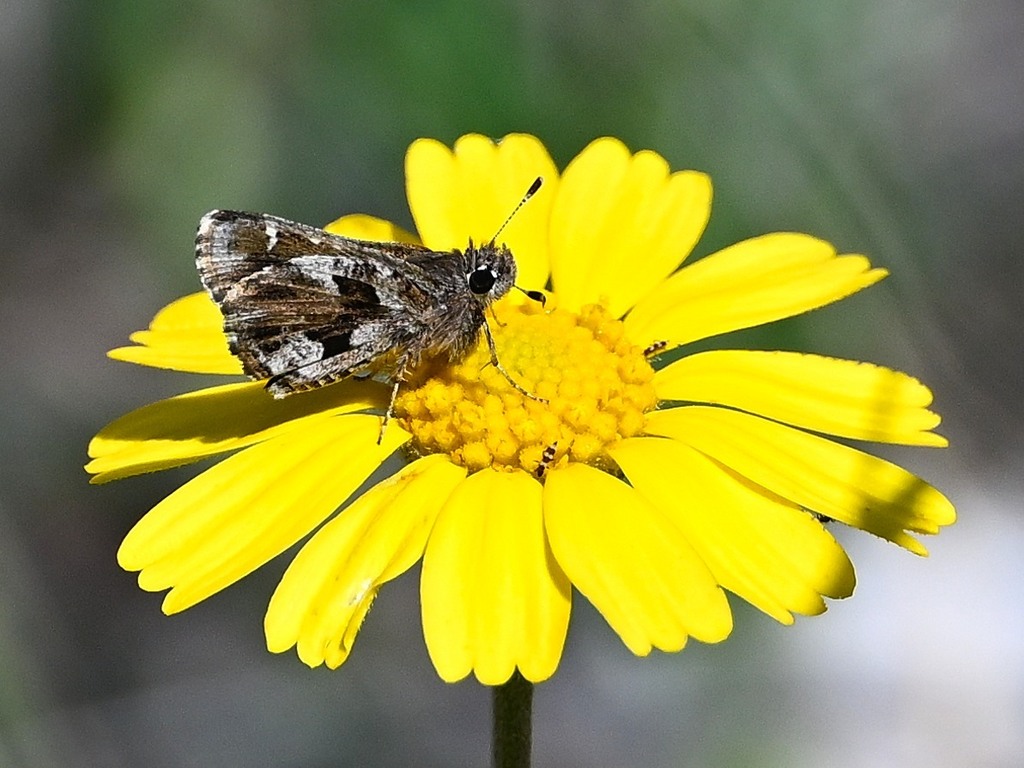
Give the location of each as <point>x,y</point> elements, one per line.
<point>651,490</point>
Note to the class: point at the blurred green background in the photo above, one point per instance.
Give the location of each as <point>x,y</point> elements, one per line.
<point>891,128</point>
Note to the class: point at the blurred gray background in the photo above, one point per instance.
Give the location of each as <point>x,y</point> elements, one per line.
<point>891,127</point>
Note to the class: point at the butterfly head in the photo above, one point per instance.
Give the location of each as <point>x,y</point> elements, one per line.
<point>490,272</point>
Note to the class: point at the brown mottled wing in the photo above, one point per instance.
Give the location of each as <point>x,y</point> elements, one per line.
<point>304,308</point>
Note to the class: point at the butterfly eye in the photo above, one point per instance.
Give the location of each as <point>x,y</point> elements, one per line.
<point>481,280</point>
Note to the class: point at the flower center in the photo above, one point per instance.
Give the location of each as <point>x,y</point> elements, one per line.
<point>596,384</point>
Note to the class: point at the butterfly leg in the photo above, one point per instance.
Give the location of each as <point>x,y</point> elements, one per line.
<point>389,412</point>
<point>501,369</point>
<point>400,372</point>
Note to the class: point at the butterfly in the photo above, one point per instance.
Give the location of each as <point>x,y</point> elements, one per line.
<point>304,308</point>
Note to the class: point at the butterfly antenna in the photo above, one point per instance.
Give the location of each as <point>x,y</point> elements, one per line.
<point>535,295</point>
<point>529,193</point>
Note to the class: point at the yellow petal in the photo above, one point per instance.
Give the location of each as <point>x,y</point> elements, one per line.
<point>327,589</point>
<point>837,397</point>
<point>622,223</point>
<point>363,227</point>
<point>238,514</point>
<point>771,553</point>
<point>828,478</point>
<point>188,427</point>
<point>753,282</point>
<point>493,598</point>
<point>186,335</point>
<point>631,562</point>
<point>468,192</point>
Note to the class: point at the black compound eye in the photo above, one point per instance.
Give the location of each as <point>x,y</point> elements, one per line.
<point>481,280</point>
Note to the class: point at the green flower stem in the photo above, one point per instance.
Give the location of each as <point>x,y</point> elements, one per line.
<point>512,715</point>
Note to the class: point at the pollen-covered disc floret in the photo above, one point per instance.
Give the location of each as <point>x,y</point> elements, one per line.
<point>592,388</point>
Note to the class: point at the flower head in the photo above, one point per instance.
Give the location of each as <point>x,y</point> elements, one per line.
<point>651,489</point>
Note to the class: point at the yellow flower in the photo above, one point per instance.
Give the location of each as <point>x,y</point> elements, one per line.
<point>651,490</point>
